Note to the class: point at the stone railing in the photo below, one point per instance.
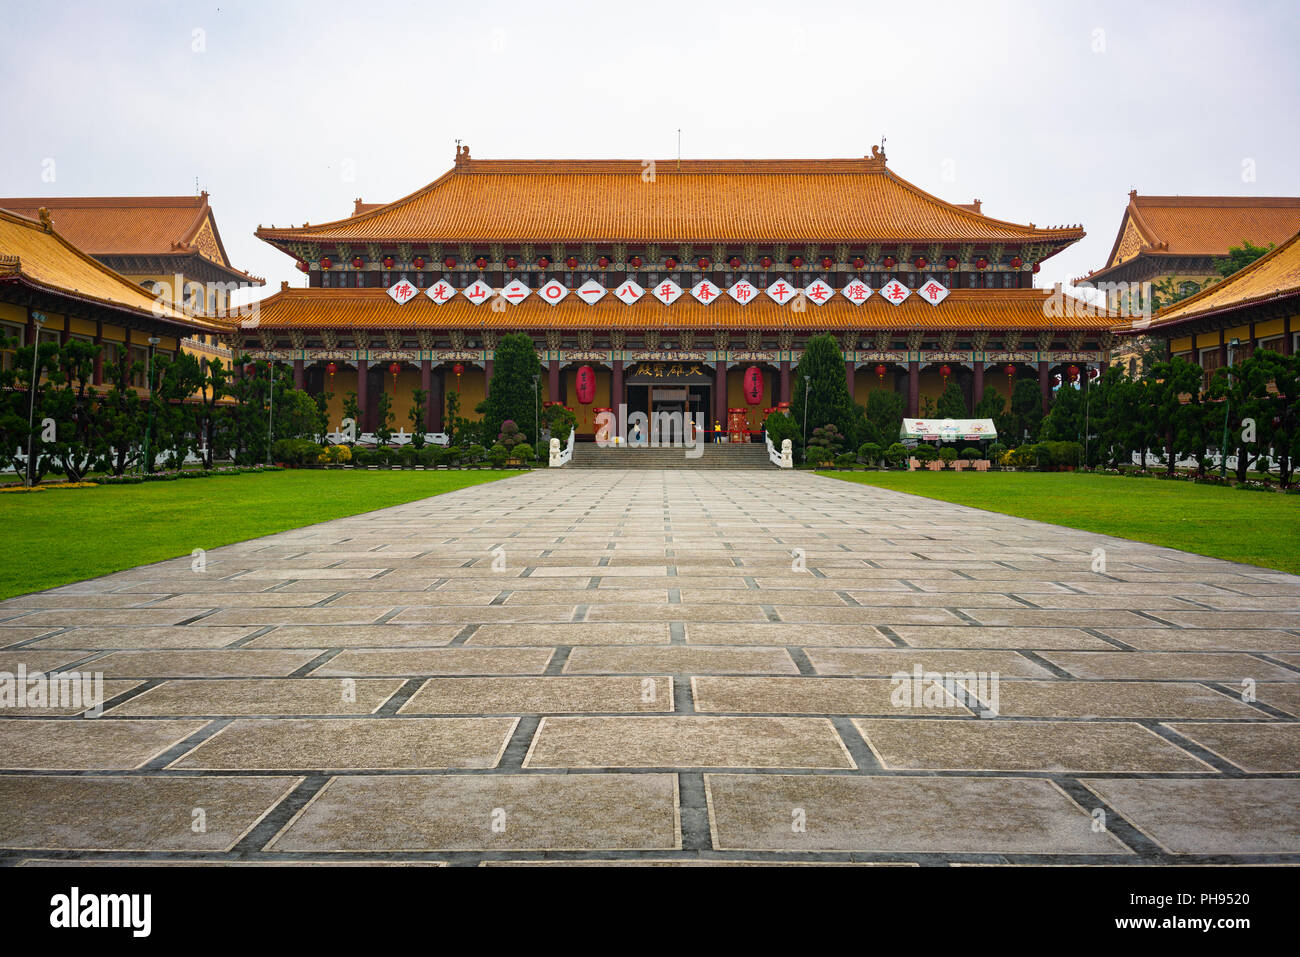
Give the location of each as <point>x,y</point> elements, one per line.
<point>562,457</point>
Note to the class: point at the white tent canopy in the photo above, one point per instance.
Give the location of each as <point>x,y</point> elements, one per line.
<point>948,430</point>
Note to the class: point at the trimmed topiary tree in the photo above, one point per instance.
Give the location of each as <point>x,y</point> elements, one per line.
<point>512,394</point>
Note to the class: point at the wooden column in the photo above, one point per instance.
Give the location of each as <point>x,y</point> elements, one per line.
<point>553,380</point>
<point>299,375</point>
<point>720,393</point>
<point>426,385</point>
<point>977,389</point>
<point>848,376</point>
<point>785,381</point>
<point>913,389</point>
<point>616,397</point>
<point>487,379</point>
<point>1286,336</point>
<point>1044,386</point>
<point>363,397</point>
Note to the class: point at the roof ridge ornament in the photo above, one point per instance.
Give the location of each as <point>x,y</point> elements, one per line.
<point>46,222</point>
<point>462,154</point>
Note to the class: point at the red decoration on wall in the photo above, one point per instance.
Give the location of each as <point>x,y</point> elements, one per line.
<point>945,371</point>
<point>880,371</point>
<point>670,263</point>
<point>766,262</point>
<point>331,368</point>
<point>325,262</point>
<point>572,262</point>
<point>753,385</point>
<point>480,263</point>
<point>449,262</point>
<point>1010,370</point>
<point>418,262</point>
<point>357,262</point>
<point>511,262</point>
<point>981,263</point>
<point>1036,267</point>
<point>543,262</point>
<point>458,369</point>
<point>1016,262</point>
<point>827,262</point>
<point>858,262</point>
<point>890,262</point>
<point>797,262</point>
<point>703,263</point>
<point>394,368</point>
<point>735,262</point>
<point>1074,373</point>
<point>952,263</point>
<point>635,262</point>
<point>302,265</point>
<point>602,262</point>
<point>586,383</point>
<point>388,262</point>
<point>922,262</point>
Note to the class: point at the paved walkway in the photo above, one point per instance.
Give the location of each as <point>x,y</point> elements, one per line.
<point>665,666</point>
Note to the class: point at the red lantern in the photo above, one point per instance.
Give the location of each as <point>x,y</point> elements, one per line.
<point>670,263</point>
<point>890,262</point>
<point>922,262</point>
<point>302,266</point>
<point>981,263</point>
<point>753,385</point>
<point>449,262</point>
<point>797,262</point>
<point>388,262</point>
<point>250,369</point>
<point>572,262</point>
<point>481,263</point>
<point>945,371</point>
<point>880,372</point>
<point>458,369</point>
<point>1010,370</point>
<point>1074,373</point>
<point>735,262</point>
<point>357,262</point>
<point>602,262</point>
<point>331,368</point>
<point>766,262</point>
<point>703,263</point>
<point>1036,267</point>
<point>586,382</point>
<point>858,262</point>
<point>1016,262</point>
<point>543,263</point>
<point>511,262</point>
<point>952,263</point>
<point>418,262</point>
<point>325,262</point>
<point>827,262</point>
<point>635,262</point>
<point>394,368</point>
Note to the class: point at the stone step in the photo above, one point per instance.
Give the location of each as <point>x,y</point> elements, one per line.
<point>588,455</point>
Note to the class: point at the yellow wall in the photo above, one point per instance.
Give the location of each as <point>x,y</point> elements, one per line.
<point>584,413</point>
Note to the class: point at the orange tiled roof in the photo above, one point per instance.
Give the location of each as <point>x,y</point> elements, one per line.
<point>39,256</point>
<point>131,225</point>
<point>316,308</point>
<point>599,201</point>
<point>1201,225</point>
<point>1274,276</point>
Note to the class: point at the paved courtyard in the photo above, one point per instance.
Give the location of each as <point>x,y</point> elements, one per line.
<point>633,666</point>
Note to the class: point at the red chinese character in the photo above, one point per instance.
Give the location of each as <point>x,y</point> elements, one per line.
<point>666,290</point>
<point>706,293</point>
<point>931,290</point>
<point>440,293</point>
<point>781,290</point>
<point>817,293</point>
<point>857,291</point>
<point>896,292</point>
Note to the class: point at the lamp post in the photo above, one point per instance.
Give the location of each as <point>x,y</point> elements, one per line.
<point>807,383</point>
<point>270,416</point>
<point>147,464</point>
<point>1227,403</point>
<point>30,472</point>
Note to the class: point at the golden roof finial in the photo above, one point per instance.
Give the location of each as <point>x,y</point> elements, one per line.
<point>44,214</point>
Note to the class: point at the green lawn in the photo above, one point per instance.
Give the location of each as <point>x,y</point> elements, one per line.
<point>65,535</point>
<point>1259,528</point>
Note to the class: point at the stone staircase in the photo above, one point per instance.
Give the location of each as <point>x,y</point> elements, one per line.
<point>740,455</point>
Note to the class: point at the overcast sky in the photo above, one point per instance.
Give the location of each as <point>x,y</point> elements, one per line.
<point>286,112</point>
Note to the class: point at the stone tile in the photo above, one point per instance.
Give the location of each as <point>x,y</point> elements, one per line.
<point>1117,699</point>
<point>256,696</point>
<point>1064,747</point>
<point>934,599</point>
<point>580,633</point>
<point>1207,639</point>
<point>90,744</point>
<point>704,612</point>
<point>1284,696</point>
<point>1230,619</point>
<point>45,599</point>
<point>900,815</point>
<point>153,637</point>
<point>1209,816</point>
<point>456,813</point>
<point>679,659</point>
<point>10,636</point>
<point>785,633</point>
<point>886,662</point>
<point>1190,666</point>
<point>808,695</point>
<point>975,636</point>
<point>297,616</point>
<point>238,662</point>
<point>494,614</point>
<point>35,661</point>
<point>67,617</point>
<point>146,813</point>
<point>357,636</point>
<point>1260,747</point>
<point>876,615</point>
<point>550,695</point>
<point>67,694</point>
<point>687,742</point>
<point>275,573</point>
<point>437,661</point>
<point>353,744</point>
<point>261,599</point>
<point>583,596</point>
<point>1043,618</point>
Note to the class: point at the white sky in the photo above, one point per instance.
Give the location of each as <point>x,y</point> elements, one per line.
<point>1048,112</point>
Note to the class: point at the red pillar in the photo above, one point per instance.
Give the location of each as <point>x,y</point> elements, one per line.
<point>553,380</point>
<point>848,376</point>
<point>977,390</point>
<point>1044,387</point>
<point>99,356</point>
<point>299,375</point>
<point>1286,336</point>
<point>363,399</point>
<point>913,389</point>
<point>720,392</point>
<point>616,397</point>
<point>437,400</point>
<point>426,384</point>
<point>1223,349</point>
<point>785,381</point>
<point>487,378</point>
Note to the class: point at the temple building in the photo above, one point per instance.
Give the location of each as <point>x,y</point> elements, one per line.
<point>671,281</point>
<point>169,245</point>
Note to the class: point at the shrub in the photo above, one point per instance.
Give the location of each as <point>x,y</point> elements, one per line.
<point>296,451</point>
<point>408,455</point>
<point>948,456</point>
<point>365,457</point>
<point>475,453</point>
<point>385,455</point>
<point>451,455</point>
<point>971,453</point>
<point>523,451</point>
<point>498,454</point>
<point>825,443</point>
<point>339,454</point>
<point>996,451</point>
<point>925,453</point>
<point>846,459</point>
<point>870,453</point>
<point>429,455</point>
<point>896,454</point>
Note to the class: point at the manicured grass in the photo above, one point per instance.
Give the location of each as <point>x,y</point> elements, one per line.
<point>65,535</point>
<point>1259,528</point>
